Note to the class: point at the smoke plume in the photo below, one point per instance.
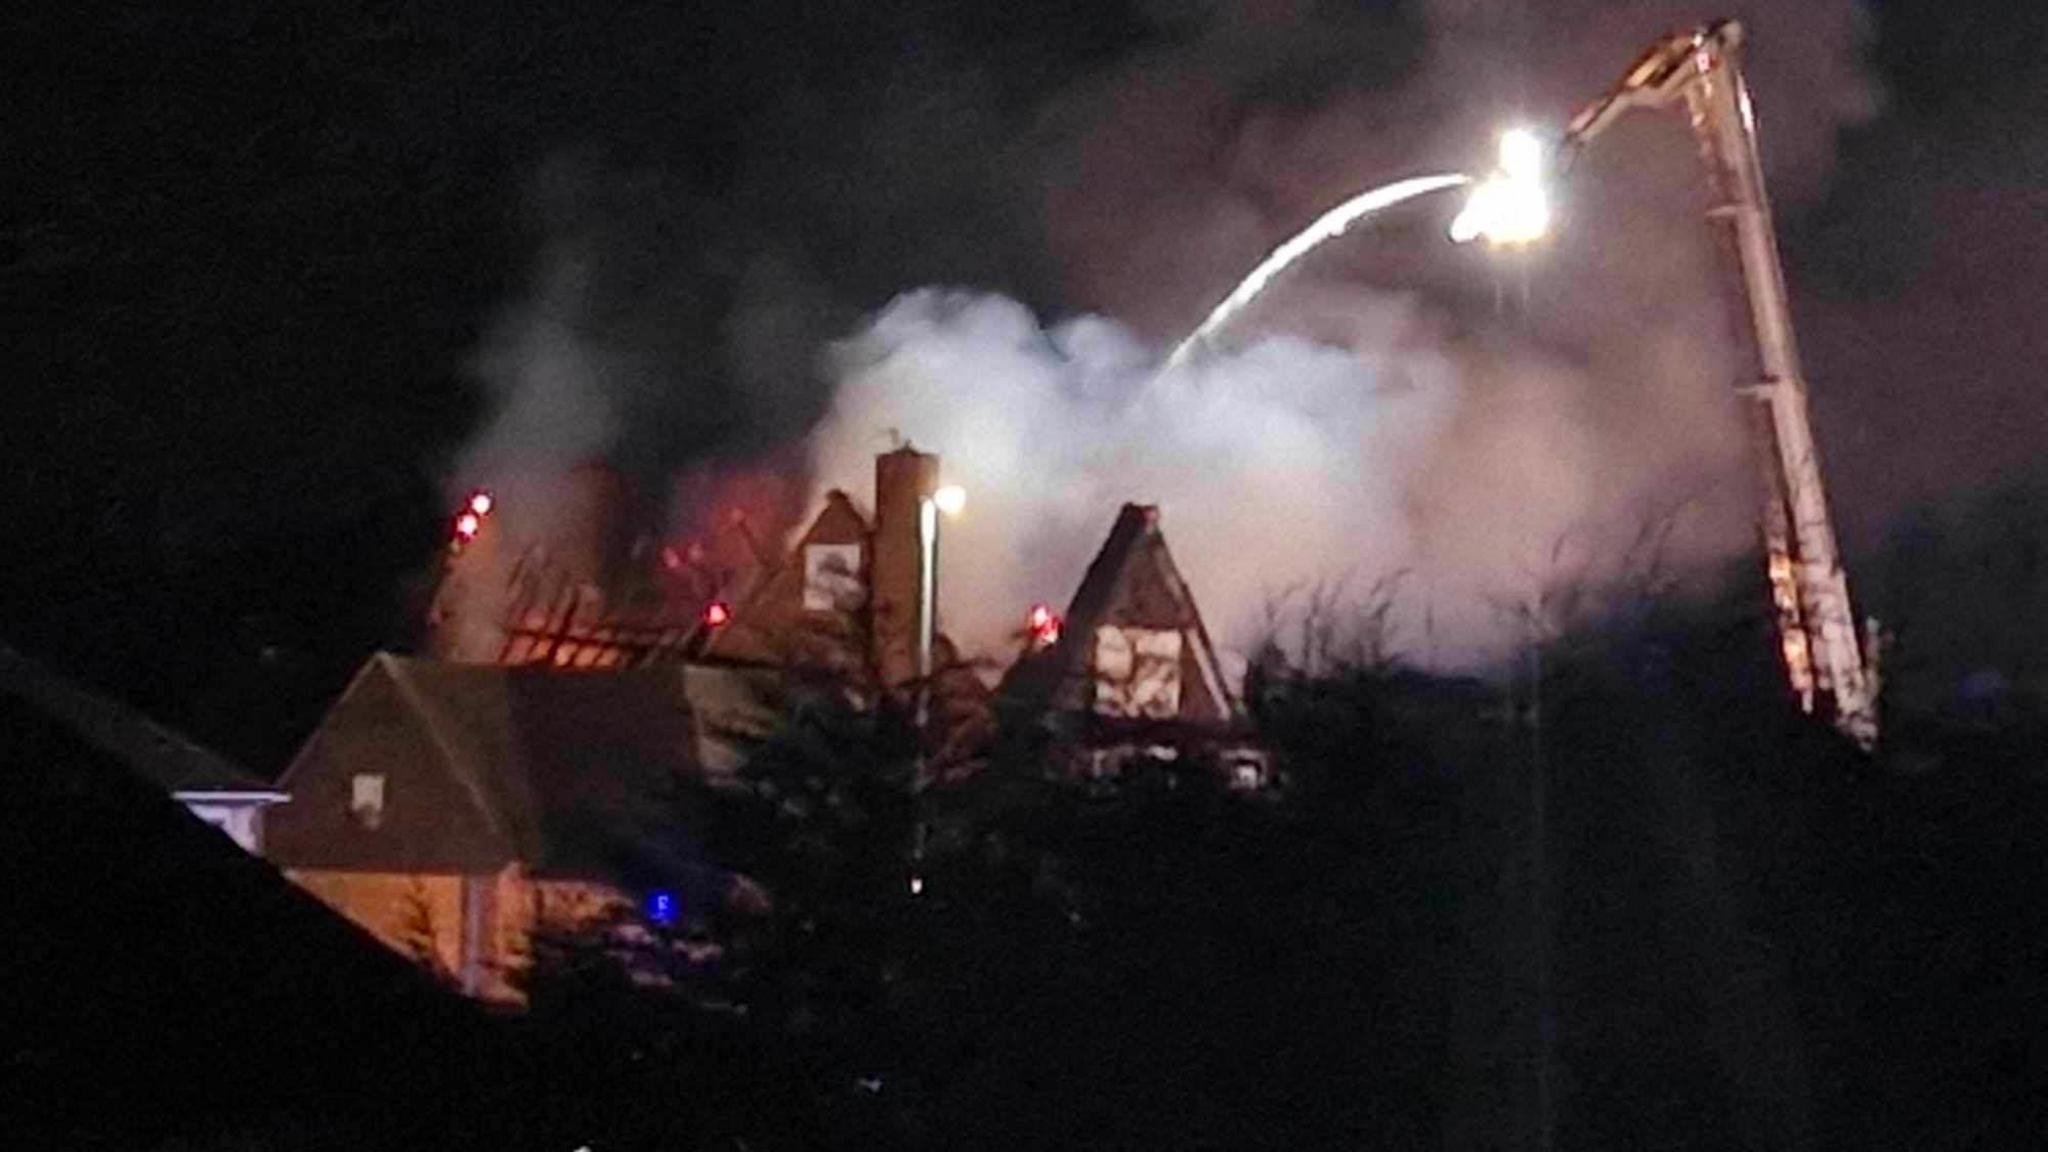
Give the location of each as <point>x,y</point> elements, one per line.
<point>1395,410</point>
<point>1470,436</point>
<point>1409,462</point>
<point>660,338</point>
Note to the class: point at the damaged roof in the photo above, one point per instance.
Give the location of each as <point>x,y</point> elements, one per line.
<point>769,623</point>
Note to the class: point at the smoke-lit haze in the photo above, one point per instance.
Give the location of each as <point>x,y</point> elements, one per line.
<point>1275,468</point>
<point>655,335</point>
<point>1430,413</point>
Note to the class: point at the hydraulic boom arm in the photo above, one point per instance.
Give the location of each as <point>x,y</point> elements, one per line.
<point>1817,628</point>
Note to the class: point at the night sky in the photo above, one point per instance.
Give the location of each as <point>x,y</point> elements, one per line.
<point>248,252</point>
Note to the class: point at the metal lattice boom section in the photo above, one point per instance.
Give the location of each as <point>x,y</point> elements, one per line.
<point>1824,658</point>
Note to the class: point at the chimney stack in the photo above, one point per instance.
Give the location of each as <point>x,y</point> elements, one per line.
<point>904,479</point>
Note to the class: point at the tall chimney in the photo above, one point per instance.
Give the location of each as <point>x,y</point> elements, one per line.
<point>903,480</point>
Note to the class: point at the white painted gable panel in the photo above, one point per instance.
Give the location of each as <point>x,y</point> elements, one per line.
<point>1137,672</point>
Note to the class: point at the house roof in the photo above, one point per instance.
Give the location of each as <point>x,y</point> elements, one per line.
<point>769,623</point>
<point>577,774</point>
<point>173,762</point>
<point>1132,582</point>
<point>175,977</point>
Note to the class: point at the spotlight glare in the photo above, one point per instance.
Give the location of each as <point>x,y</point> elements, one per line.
<point>1521,154</point>
<point>1511,207</point>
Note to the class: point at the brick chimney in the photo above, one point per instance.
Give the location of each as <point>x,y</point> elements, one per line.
<point>903,479</point>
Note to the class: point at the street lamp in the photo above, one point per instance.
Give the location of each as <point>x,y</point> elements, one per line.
<point>948,500</point>
<point>1511,209</point>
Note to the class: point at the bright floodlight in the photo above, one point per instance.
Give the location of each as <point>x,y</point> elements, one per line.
<point>950,499</point>
<point>1521,154</point>
<point>1510,207</point>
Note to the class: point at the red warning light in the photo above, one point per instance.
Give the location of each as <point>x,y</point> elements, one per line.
<point>1043,625</point>
<point>480,502</point>
<point>467,525</point>
<point>717,614</point>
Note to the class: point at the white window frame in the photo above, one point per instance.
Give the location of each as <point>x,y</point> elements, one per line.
<point>832,580</point>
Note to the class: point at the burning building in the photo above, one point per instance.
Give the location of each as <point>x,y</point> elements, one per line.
<point>544,764</point>
<point>597,590</point>
<point>849,597</point>
<point>856,600</point>
<point>1130,674</point>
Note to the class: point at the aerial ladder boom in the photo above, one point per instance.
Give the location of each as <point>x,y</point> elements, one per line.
<point>1823,651</point>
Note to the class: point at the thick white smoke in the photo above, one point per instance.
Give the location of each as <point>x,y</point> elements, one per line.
<point>1485,432</point>
<point>1489,434</point>
<point>1277,469</point>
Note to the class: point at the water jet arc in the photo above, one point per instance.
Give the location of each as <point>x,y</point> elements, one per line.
<point>1328,226</point>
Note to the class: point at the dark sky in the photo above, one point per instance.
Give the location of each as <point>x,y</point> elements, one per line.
<point>247,251</point>
<point>1923,274</point>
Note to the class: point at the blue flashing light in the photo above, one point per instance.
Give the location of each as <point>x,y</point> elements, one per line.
<point>661,907</point>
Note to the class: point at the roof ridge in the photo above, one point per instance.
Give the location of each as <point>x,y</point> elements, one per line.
<point>1136,534</point>
<point>853,504</point>
<point>1205,657</point>
<point>1104,578</point>
<point>379,658</point>
<point>417,702</point>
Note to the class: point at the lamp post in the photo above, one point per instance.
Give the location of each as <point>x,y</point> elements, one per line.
<point>947,500</point>
<point>1510,209</point>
